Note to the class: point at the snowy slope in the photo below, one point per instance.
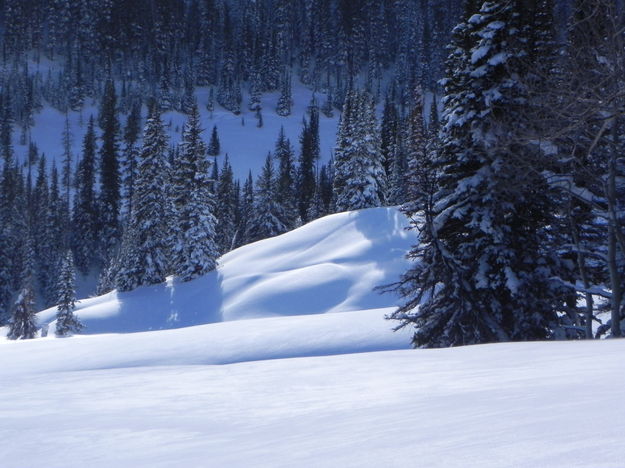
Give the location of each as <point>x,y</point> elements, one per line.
<point>247,145</point>
<point>331,265</point>
<point>510,405</point>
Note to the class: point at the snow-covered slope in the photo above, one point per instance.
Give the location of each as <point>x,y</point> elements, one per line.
<point>331,265</point>
<point>511,405</point>
<point>246,144</point>
<point>300,369</point>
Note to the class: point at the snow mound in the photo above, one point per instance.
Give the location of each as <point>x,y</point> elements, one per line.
<point>331,265</point>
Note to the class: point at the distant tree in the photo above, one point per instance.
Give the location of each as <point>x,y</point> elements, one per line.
<point>214,147</point>
<point>285,101</point>
<point>85,216</point>
<point>226,208</point>
<point>266,216</point>
<point>66,322</point>
<point>110,183</point>
<point>286,195</point>
<point>360,180</point>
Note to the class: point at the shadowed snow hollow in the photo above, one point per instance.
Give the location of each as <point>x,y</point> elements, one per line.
<point>330,265</point>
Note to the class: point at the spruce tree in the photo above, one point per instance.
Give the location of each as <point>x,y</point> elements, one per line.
<point>196,250</point>
<point>66,322</point>
<point>360,181</point>
<point>285,101</point>
<point>131,138</point>
<point>144,253</point>
<point>266,214</point>
<point>85,228</point>
<point>481,271</point>
<point>110,195</point>
<point>286,181</point>
<point>23,323</point>
<point>214,147</point>
<point>226,208</point>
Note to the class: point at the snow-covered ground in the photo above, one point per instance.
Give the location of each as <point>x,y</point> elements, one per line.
<point>283,358</point>
<point>246,144</point>
<point>511,405</point>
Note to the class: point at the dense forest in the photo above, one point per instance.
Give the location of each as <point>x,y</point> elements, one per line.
<point>516,188</point>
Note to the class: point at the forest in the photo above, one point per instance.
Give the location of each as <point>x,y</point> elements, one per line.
<point>497,126</point>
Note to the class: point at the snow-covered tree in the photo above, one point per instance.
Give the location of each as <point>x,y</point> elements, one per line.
<point>266,219</point>
<point>196,250</point>
<point>23,323</point>
<point>359,174</point>
<point>482,273</point>
<point>144,255</point>
<point>66,322</point>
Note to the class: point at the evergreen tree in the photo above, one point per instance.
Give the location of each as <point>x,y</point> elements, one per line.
<point>85,207</point>
<point>144,254</point>
<point>226,208</point>
<point>131,138</point>
<point>23,323</point>
<point>214,147</point>
<point>196,251</point>
<point>110,195</point>
<point>286,181</point>
<point>66,321</point>
<point>266,216</point>
<point>482,273</point>
<point>359,174</point>
<point>309,155</point>
<point>285,101</point>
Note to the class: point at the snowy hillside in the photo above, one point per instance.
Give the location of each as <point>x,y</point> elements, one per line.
<point>328,266</point>
<point>240,138</point>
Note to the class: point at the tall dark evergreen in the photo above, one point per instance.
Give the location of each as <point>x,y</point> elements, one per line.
<point>482,273</point>
<point>309,155</point>
<point>131,151</point>
<point>85,216</point>
<point>286,181</point>
<point>214,147</point>
<point>110,180</point>
<point>226,208</point>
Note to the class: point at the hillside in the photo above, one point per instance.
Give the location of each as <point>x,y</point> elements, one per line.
<point>330,265</point>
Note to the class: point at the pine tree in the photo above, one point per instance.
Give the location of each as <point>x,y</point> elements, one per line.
<point>144,253</point>
<point>309,155</point>
<point>286,181</point>
<point>110,195</point>
<point>214,147</point>
<point>66,321</point>
<point>85,216</point>
<point>131,137</point>
<point>196,250</point>
<point>359,173</point>
<point>226,208</point>
<point>23,323</point>
<point>285,101</point>
<point>266,216</point>
<point>482,273</point>
<point>246,212</point>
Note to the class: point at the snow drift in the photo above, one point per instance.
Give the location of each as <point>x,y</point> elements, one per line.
<point>331,265</point>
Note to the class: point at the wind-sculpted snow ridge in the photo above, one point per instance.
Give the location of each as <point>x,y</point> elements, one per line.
<point>331,265</point>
